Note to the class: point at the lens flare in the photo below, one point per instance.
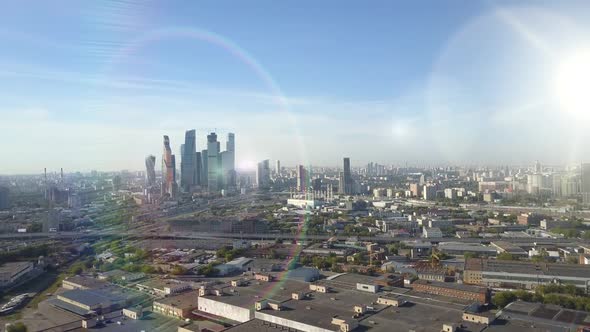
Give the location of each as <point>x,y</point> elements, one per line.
<point>572,82</point>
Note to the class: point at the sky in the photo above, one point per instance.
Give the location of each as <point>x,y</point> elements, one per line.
<point>94,85</point>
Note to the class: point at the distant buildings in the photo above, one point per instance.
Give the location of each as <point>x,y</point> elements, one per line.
<point>4,203</point>
<point>210,169</point>
<point>585,175</point>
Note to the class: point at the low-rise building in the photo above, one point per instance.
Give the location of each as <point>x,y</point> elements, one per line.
<point>450,289</point>
<point>163,287</point>
<point>133,313</point>
<point>431,232</point>
<point>86,302</point>
<point>179,306</point>
<point>82,282</point>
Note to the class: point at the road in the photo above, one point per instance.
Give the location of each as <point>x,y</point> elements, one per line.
<point>273,236</point>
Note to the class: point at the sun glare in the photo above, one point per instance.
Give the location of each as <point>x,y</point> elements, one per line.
<point>573,83</point>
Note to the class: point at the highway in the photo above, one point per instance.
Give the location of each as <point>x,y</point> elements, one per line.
<point>273,236</point>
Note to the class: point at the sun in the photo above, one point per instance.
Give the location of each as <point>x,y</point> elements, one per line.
<point>573,83</point>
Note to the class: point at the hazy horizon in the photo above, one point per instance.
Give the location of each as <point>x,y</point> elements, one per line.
<point>96,85</point>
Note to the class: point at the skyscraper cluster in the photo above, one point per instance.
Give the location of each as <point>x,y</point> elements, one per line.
<point>210,169</point>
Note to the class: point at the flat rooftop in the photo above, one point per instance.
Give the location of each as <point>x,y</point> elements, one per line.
<point>13,267</point>
<point>320,308</point>
<point>452,285</point>
<point>247,296</point>
<point>88,282</point>
<point>183,301</point>
<point>91,297</point>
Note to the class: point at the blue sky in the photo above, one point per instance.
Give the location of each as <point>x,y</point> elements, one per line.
<point>95,85</point>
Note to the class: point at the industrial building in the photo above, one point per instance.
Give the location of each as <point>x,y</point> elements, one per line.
<point>522,274</point>
<point>450,289</point>
<point>88,302</point>
<point>179,306</point>
<point>163,287</point>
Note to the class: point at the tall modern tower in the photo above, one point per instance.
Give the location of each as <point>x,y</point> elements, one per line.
<point>150,171</point>
<point>204,168</point>
<point>263,174</point>
<point>228,160</point>
<point>168,170</point>
<point>278,168</point>
<point>345,185</point>
<point>188,164</point>
<point>213,161</point>
<point>301,178</point>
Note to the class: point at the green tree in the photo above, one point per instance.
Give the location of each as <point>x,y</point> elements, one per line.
<point>178,270</point>
<point>17,327</point>
<point>502,299</point>
<point>505,256</point>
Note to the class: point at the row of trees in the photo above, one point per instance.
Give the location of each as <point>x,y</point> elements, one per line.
<point>567,296</point>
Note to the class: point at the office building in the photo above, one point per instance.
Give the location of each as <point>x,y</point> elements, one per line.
<point>345,185</point>
<point>169,185</point>
<point>213,167</point>
<point>4,203</point>
<point>188,163</point>
<point>227,163</point>
<point>278,168</point>
<point>263,174</point>
<point>150,170</point>
<point>301,178</point>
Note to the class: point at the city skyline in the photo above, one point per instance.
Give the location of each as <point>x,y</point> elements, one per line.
<point>367,91</point>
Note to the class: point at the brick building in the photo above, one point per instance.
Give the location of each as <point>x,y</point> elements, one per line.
<point>460,291</point>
